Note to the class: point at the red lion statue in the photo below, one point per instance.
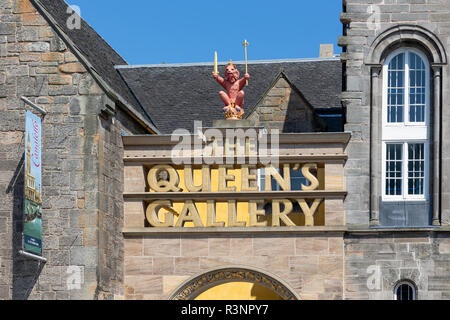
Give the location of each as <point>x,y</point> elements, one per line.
<point>234,97</point>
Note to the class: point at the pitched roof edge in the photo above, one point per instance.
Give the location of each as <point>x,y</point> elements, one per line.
<point>147,124</point>
<point>274,81</point>
<point>197,64</point>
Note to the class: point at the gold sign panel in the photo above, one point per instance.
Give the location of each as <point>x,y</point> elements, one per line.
<point>176,207</point>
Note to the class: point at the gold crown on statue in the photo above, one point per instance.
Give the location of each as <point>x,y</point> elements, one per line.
<point>232,114</point>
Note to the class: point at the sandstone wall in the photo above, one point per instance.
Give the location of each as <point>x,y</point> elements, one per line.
<point>82,165</point>
<point>311,264</point>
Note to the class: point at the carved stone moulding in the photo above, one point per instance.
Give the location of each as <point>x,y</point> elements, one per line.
<point>201,283</point>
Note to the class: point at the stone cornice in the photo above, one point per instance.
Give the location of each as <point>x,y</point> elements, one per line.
<point>224,196</point>
<point>234,230</point>
<point>298,231</point>
<point>284,138</point>
<point>325,158</point>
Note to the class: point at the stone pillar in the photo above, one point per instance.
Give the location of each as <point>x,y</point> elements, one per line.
<point>436,145</point>
<point>375,172</point>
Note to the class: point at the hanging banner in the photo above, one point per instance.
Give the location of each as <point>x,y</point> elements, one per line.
<point>32,233</point>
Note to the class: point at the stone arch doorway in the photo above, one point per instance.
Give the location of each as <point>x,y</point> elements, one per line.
<point>234,283</point>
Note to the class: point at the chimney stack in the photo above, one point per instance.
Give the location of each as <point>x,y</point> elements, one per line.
<point>326,51</point>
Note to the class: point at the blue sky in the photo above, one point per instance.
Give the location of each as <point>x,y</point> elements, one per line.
<point>185,31</point>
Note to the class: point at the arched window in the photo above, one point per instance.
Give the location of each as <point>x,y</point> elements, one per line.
<point>404,290</point>
<point>405,126</point>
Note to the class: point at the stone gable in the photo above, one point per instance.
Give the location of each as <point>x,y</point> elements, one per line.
<point>284,107</point>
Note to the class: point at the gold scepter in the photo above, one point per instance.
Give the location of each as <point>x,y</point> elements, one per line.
<point>216,69</point>
<point>245,44</point>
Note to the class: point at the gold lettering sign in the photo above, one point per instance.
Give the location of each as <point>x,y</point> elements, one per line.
<point>306,171</point>
<point>281,208</point>
<point>178,211</point>
<point>224,178</point>
<point>189,214</point>
<point>309,212</point>
<point>164,178</point>
<point>211,215</point>
<point>189,179</point>
<point>159,183</point>
<point>253,213</point>
<point>152,214</point>
<point>278,215</point>
<point>232,215</point>
<point>284,181</point>
<point>247,177</point>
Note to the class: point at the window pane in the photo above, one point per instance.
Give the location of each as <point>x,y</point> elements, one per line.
<point>262,179</point>
<point>394,169</point>
<point>405,292</point>
<point>417,87</point>
<point>416,168</point>
<point>297,179</point>
<point>396,89</point>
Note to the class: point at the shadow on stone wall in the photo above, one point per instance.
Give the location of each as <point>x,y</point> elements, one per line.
<point>25,271</point>
<point>300,118</point>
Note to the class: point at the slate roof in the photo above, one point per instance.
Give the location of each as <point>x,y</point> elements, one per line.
<point>95,49</point>
<point>176,95</point>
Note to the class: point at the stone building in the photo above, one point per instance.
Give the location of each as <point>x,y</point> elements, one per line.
<point>69,73</point>
<point>395,56</point>
<point>358,207</point>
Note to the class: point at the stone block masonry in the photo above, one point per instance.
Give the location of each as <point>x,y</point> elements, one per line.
<point>365,21</point>
<point>82,210</point>
<point>419,256</point>
<point>310,264</point>
<point>375,263</point>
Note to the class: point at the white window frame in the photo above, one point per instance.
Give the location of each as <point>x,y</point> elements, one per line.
<point>405,196</point>
<point>260,173</point>
<point>412,130</point>
<point>405,132</point>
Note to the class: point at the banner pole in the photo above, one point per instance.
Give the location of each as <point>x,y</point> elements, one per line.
<point>32,256</point>
<point>35,106</point>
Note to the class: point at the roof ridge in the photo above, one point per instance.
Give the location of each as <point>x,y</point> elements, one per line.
<point>194,64</point>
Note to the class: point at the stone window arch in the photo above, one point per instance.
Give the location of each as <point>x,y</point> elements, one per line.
<point>431,50</point>
<point>405,290</point>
